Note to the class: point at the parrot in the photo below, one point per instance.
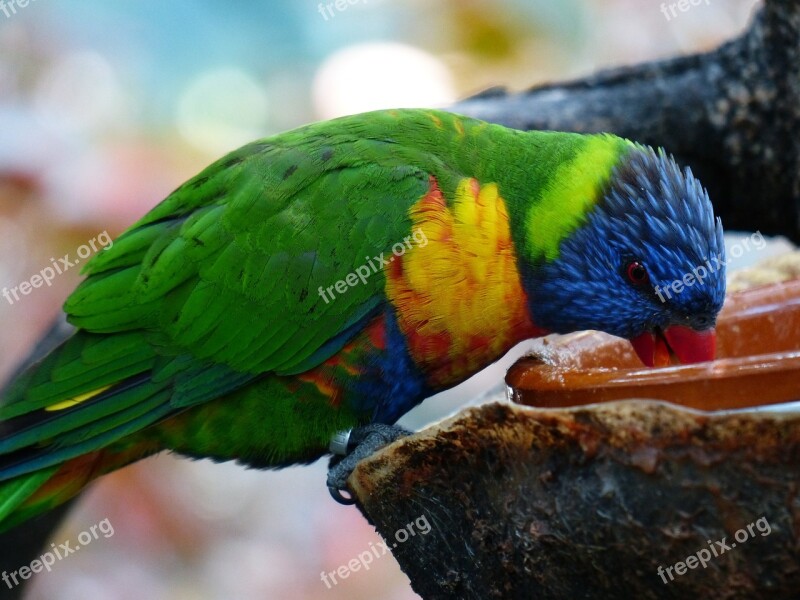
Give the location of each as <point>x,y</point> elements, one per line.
<point>299,295</point>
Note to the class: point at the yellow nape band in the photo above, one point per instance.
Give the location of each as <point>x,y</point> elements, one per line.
<point>77,399</point>
<point>572,192</point>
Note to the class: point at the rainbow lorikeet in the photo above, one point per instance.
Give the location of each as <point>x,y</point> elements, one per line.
<point>334,276</point>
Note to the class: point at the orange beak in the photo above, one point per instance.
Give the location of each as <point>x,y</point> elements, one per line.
<point>686,345</point>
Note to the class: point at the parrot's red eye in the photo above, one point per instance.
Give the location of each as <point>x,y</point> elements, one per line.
<point>636,273</point>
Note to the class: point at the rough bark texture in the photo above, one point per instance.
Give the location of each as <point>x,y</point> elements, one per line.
<point>733,115</point>
<point>589,503</point>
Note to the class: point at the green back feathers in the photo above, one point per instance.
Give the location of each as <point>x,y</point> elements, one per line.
<point>228,268</point>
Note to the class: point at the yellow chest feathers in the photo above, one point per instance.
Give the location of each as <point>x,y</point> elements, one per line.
<point>457,291</point>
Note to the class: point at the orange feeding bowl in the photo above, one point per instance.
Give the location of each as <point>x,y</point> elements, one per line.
<point>758,362</point>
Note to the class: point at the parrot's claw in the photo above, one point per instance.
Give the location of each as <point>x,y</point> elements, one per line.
<point>349,448</point>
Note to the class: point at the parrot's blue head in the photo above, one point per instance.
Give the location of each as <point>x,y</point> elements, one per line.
<point>647,264</point>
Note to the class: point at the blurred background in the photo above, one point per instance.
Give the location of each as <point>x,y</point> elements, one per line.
<point>106,107</point>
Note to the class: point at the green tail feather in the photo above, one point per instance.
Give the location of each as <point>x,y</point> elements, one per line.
<point>15,492</point>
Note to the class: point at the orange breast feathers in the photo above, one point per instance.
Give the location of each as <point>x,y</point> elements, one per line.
<point>458,296</point>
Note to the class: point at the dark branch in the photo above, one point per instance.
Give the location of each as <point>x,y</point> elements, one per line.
<point>589,503</point>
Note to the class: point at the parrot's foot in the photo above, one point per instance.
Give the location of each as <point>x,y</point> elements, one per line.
<point>350,447</point>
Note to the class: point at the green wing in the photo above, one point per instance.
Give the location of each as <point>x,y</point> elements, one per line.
<point>228,268</point>
<point>216,285</point>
